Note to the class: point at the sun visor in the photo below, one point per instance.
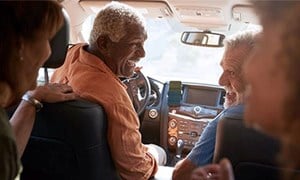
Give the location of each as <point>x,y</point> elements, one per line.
<point>245,14</point>
<point>202,17</point>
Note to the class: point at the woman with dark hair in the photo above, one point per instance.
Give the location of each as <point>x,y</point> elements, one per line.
<point>274,79</point>
<point>27,28</point>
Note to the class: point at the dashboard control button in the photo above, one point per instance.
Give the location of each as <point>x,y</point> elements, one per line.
<point>153,113</point>
<point>193,134</point>
<point>197,110</point>
<point>172,140</point>
<point>172,123</point>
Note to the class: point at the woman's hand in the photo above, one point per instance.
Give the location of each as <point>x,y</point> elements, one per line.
<point>221,171</point>
<point>53,92</point>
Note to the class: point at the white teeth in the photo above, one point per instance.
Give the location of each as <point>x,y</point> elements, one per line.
<point>131,63</point>
<point>229,93</point>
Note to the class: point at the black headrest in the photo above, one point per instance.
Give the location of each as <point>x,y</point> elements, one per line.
<point>59,45</point>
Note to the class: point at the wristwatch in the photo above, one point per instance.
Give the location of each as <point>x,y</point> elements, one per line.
<point>36,103</point>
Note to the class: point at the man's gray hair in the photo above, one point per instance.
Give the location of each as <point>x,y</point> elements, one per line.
<point>246,38</point>
<point>113,19</point>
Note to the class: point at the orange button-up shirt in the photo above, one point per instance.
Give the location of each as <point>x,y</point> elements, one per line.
<point>92,80</point>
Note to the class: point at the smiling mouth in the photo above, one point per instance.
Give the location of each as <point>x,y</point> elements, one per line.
<point>230,97</point>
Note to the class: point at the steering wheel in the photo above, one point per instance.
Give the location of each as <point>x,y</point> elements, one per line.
<point>138,89</point>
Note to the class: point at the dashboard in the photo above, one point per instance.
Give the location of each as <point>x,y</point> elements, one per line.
<point>180,113</point>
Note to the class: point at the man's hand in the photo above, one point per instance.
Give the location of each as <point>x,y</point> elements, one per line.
<point>221,171</point>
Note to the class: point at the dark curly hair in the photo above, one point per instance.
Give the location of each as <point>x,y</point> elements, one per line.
<point>287,15</point>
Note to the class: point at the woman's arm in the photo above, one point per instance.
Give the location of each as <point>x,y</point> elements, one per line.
<point>23,118</point>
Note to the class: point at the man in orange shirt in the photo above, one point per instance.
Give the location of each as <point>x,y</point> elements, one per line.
<point>93,70</point>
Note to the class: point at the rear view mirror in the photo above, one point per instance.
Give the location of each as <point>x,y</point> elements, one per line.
<point>205,38</point>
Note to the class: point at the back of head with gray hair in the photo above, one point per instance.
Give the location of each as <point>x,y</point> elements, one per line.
<point>113,19</point>
<point>246,39</point>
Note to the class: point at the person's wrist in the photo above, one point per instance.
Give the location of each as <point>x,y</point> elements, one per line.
<point>33,101</point>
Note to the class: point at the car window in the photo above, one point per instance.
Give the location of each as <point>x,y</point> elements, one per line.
<point>167,58</point>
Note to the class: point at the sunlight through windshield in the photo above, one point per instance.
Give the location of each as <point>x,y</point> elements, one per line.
<point>168,59</point>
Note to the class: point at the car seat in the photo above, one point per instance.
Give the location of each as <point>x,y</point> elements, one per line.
<point>69,139</point>
<point>253,154</point>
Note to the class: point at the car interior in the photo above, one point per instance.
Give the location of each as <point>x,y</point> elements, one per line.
<point>175,95</point>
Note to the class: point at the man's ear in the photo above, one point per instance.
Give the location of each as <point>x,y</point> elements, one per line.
<point>103,42</point>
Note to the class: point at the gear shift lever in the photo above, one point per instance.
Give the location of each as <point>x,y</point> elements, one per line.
<point>180,145</point>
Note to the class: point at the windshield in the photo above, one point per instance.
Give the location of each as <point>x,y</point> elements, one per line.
<point>169,59</point>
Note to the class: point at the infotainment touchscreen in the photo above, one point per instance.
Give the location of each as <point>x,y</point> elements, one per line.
<point>203,96</point>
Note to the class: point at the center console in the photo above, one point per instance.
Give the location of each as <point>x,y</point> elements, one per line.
<point>191,108</point>
<point>179,115</point>
<point>187,125</point>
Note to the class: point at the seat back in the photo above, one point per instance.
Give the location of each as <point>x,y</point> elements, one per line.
<point>253,154</point>
<point>69,141</point>
<point>59,45</point>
